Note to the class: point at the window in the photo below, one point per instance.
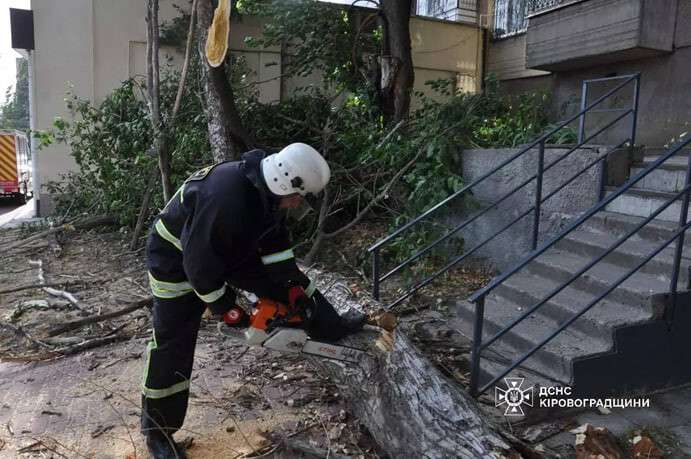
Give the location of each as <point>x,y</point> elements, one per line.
<point>510,17</point>
<point>450,10</point>
<point>435,8</point>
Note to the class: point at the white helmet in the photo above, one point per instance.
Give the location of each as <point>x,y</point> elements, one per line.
<point>298,168</point>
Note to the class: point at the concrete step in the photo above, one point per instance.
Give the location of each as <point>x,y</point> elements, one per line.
<point>642,203</point>
<point>655,152</point>
<point>492,364</point>
<point>627,255</point>
<point>668,177</point>
<point>527,290</point>
<point>616,224</point>
<point>637,291</point>
<point>553,360</point>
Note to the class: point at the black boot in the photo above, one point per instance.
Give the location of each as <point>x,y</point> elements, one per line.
<point>162,446</point>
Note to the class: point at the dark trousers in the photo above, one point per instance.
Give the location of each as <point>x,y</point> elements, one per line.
<point>170,354</point>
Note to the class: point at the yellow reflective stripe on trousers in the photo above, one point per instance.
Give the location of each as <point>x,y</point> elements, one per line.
<point>159,393</point>
<point>162,289</point>
<point>167,392</point>
<point>278,257</point>
<point>213,296</point>
<point>167,235</point>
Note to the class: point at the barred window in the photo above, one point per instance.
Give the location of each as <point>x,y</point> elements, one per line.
<point>510,17</point>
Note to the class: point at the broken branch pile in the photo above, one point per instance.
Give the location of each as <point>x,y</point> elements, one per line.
<point>105,284</point>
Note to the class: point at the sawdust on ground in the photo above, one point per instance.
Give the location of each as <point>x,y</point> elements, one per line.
<point>86,404</point>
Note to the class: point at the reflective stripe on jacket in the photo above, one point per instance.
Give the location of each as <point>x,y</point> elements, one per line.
<point>221,216</point>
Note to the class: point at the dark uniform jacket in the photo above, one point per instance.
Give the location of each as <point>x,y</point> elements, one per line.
<point>222,222</point>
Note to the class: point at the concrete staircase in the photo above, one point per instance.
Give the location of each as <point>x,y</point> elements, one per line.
<point>631,303</point>
<point>655,189</point>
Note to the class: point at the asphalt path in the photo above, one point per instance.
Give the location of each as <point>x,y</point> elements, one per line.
<point>6,207</point>
<point>10,211</point>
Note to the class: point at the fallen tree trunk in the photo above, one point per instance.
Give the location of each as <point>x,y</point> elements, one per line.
<point>85,224</point>
<point>95,319</point>
<point>409,407</point>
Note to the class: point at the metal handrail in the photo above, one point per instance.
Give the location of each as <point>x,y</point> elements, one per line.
<point>592,211</point>
<point>494,205</point>
<point>478,246</point>
<point>544,137</point>
<point>679,233</point>
<point>479,296</point>
<point>540,142</point>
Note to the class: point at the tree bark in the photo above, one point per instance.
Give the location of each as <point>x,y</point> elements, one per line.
<point>408,406</point>
<point>227,135</point>
<point>397,74</point>
<point>160,145</point>
<point>151,180</point>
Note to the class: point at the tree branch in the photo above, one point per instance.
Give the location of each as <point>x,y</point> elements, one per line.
<point>94,319</point>
<point>301,123</point>
<point>151,180</point>
<point>377,198</point>
<point>185,64</point>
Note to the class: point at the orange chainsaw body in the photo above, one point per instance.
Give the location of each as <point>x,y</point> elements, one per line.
<point>267,310</point>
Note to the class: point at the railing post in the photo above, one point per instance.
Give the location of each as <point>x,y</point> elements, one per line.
<point>538,191</point>
<point>375,274</point>
<point>603,179</point>
<point>683,216</point>
<point>584,104</point>
<point>477,346</point>
<point>634,115</point>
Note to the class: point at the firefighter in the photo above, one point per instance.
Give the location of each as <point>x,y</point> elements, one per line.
<point>224,229</point>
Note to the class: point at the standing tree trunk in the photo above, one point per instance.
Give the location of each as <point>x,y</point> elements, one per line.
<point>227,135</point>
<point>151,180</point>
<point>160,145</point>
<point>397,74</point>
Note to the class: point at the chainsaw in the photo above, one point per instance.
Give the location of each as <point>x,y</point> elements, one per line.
<point>274,325</point>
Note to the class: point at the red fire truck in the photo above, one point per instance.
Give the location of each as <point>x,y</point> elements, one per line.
<point>15,166</point>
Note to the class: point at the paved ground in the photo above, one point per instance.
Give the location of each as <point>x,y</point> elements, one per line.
<point>668,418</point>
<point>9,212</point>
<point>5,207</point>
<point>88,405</point>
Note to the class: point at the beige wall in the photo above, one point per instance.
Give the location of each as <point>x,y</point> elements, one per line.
<point>444,49</point>
<point>440,50</point>
<point>263,65</point>
<point>91,46</point>
<point>88,47</point>
<point>54,75</point>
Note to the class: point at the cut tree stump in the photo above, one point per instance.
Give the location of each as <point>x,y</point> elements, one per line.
<point>408,406</point>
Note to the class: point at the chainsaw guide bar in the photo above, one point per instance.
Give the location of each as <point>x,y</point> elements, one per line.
<point>293,340</point>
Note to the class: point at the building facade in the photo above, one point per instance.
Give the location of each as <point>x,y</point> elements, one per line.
<point>556,44</point>
<point>89,47</point>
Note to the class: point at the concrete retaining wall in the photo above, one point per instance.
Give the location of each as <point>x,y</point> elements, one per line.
<point>557,211</point>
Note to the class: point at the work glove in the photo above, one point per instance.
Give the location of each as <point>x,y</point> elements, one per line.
<point>223,304</point>
<point>325,324</point>
<point>287,274</point>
